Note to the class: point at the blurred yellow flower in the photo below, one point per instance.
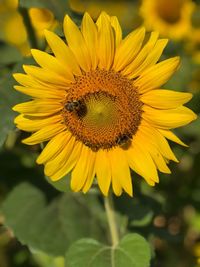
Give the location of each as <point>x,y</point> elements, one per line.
<point>42,19</point>
<point>15,22</point>
<point>192,44</point>
<point>125,10</point>
<point>196,249</point>
<point>13,30</point>
<point>172,18</point>
<point>99,104</point>
<point>9,4</point>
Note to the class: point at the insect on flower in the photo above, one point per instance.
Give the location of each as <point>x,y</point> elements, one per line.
<point>74,105</point>
<point>123,140</point>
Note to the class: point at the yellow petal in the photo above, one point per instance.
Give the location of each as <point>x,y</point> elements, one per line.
<point>167,119</point>
<point>54,164</point>
<point>45,76</point>
<point>71,158</point>
<point>44,134</point>
<point>118,31</point>
<point>54,147</point>
<point>152,147</point>
<point>128,49</point>
<point>106,47</point>
<point>157,75</point>
<point>91,172</point>
<point>80,171</point>
<point>49,62</point>
<point>141,162</point>
<point>38,107</point>
<point>46,93</point>
<point>35,123</point>
<point>89,31</point>
<point>165,99</point>
<point>120,169</point>
<point>158,140</point>
<point>31,82</point>
<point>171,136</point>
<point>117,188</point>
<point>103,171</point>
<point>158,159</point>
<point>62,52</point>
<point>152,57</point>
<point>134,66</point>
<point>25,80</point>
<point>77,43</point>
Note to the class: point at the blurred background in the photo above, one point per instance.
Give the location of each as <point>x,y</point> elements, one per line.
<point>167,215</point>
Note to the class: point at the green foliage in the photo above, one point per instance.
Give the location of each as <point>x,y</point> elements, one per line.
<point>180,80</point>
<point>143,221</point>
<point>62,184</point>
<point>44,260</point>
<point>132,251</point>
<point>50,228</point>
<point>9,54</point>
<point>9,97</point>
<point>6,102</point>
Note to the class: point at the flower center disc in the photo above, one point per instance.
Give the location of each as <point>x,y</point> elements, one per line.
<point>102,109</point>
<point>170,10</point>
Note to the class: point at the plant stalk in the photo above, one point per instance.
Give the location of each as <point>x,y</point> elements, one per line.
<point>110,213</point>
<point>29,27</point>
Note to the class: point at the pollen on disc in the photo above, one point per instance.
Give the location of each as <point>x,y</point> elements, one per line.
<point>109,108</point>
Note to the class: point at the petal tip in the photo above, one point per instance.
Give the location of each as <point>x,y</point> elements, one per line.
<point>15,75</point>
<point>46,32</point>
<point>14,109</point>
<point>38,160</point>
<point>67,19</point>
<point>24,141</point>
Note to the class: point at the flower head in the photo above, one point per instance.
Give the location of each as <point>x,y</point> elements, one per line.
<point>98,103</point>
<point>172,18</point>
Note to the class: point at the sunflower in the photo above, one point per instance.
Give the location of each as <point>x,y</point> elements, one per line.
<point>172,18</point>
<point>97,102</point>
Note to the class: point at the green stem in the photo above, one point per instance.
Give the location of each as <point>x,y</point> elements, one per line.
<point>29,27</point>
<point>109,207</point>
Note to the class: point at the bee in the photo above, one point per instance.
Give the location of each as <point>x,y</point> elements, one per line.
<point>74,105</point>
<point>123,140</point>
<point>94,148</point>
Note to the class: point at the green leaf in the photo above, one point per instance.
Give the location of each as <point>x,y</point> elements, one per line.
<point>9,97</point>
<point>132,251</point>
<point>62,185</point>
<point>44,260</point>
<point>58,7</point>
<point>51,228</point>
<point>143,221</point>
